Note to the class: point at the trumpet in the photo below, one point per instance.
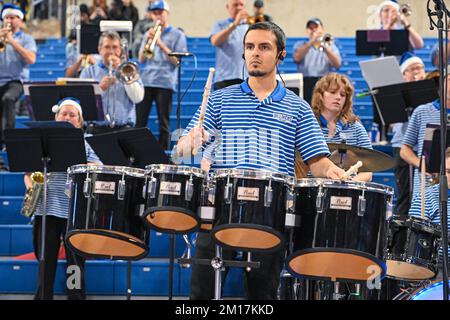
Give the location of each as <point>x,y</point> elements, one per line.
<point>405,9</point>
<point>3,39</point>
<point>326,40</point>
<point>255,19</point>
<point>149,48</point>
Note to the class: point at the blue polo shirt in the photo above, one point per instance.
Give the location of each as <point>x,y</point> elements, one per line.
<point>252,134</point>
<point>229,62</point>
<point>57,201</point>
<point>431,207</point>
<point>353,134</point>
<point>115,97</point>
<point>316,62</point>
<point>13,67</point>
<point>159,72</point>
<point>415,133</point>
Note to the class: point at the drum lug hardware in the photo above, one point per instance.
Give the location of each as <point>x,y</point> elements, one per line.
<point>189,191</point>
<point>144,189</point>
<point>228,193</point>
<point>320,200</point>
<point>361,205</point>
<point>87,187</point>
<point>68,187</point>
<point>290,201</point>
<point>389,208</point>
<point>151,189</point>
<point>268,196</point>
<point>121,190</point>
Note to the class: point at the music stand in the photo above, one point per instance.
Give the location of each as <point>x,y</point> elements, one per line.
<point>42,96</point>
<point>50,147</point>
<point>308,87</point>
<point>133,148</point>
<point>382,42</point>
<point>87,38</point>
<point>431,147</point>
<point>395,103</point>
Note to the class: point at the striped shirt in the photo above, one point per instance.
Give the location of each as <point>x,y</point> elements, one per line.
<point>353,134</point>
<point>431,207</point>
<point>252,134</point>
<point>57,201</point>
<point>415,133</point>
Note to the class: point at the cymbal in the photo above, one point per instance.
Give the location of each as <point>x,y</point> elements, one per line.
<point>344,156</point>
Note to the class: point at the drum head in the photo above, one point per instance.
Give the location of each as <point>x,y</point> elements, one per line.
<point>95,243</point>
<point>407,271</point>
<point>171,220</point>
<point>434,291</point>
<point>335,265</point>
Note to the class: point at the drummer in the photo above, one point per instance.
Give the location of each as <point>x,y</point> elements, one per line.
<point>431,209</point>
<point>69,110</point>
<point>332,104</point>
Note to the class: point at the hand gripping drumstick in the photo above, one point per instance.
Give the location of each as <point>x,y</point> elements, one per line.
<point>206,93</point>
<point>353,169</point>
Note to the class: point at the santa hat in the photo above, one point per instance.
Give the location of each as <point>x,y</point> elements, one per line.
<point>11,9</point>
<point>69,101</point>
<point>409,59</point>
<point>388,3</point>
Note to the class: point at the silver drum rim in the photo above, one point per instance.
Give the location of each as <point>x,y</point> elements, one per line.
<point>174,169</point>
<point>338,184</point>
<point>253,175</point>
<point>116,170</point>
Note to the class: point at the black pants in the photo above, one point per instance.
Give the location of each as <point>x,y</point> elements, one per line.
<point>163,99</point>
<point>55,231</point>
<point>402,179</point>
<point>226,83</point>
<point>261,283</point>
<point>10,94</point>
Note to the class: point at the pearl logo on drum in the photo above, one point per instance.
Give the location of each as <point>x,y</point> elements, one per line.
<point>341,203</point>
<point>105,187</point>
<point>248,194</point>
<point>170,188</point>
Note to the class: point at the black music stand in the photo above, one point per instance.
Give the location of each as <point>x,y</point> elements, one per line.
<point>87,38</point>
<point>431,148</point>
<point>382,42</point>
<point>395,103</point>
<point>42,96</point>
<point>133,148</point>
<point>49,147</point>
<point>308,87</point>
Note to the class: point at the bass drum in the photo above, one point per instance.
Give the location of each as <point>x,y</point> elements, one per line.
<point>426,290</point>
<point>106,203</point>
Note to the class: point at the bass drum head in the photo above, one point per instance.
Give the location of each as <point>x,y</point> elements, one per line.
<point>407,271</point>
<point>433,291</point>
<point>172,220</point>
<point>95,243</point>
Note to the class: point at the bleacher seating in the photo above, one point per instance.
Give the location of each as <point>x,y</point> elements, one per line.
<point>149,276</point>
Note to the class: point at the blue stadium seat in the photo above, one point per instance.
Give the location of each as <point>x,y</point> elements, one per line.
<point>10,210</point>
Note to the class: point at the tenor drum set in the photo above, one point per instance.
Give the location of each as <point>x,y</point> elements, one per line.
<point>332,232</point>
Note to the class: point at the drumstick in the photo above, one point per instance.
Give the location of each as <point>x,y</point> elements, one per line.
<point>206,93</point>
<point>423,187</point>
<point>353,169</point>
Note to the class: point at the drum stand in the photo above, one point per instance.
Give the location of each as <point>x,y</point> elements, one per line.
<point>218,264</point>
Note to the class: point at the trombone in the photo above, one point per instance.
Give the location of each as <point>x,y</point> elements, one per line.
<point>149,48</point>
<point>3,39</point>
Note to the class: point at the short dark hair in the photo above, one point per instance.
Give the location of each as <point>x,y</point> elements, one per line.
<point>276,30</point>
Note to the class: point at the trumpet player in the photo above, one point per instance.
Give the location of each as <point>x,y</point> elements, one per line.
<point>392,18</point>
<point>318,56</point>
<point>17,52</point>
<point>159,70</point>
<point>118,99</point>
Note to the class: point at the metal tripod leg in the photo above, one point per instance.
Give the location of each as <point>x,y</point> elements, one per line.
<point>217,264</point>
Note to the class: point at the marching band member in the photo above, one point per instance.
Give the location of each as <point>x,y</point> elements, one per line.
<point>19,52</point>
<point>392,19</point>
<point>118,99</point>
<point>264,106</point>
<point>313,58</point>
<point>332,104</point>
<point>159,72</point>
<point>69,110</point>
<point>226,36</point>
<point>413,69</point>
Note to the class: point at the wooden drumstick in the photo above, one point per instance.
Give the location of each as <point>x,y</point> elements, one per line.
<point>206,93</point>
<point>353,169</point>
<point>423,187</point>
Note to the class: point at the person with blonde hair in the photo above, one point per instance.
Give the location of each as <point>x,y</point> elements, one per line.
<point>332,104</point>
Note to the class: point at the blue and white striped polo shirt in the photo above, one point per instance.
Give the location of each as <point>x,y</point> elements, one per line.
<point>415,133</point>
<point>431,207</point>
<point>57,201</point>
<point>353,134</point>
<point>253,134</point>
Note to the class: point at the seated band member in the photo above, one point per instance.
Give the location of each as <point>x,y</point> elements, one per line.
<point>432,203</point>
<point>159,73</point>
<point>333,107</point>
<point>20,52</point>
<point>413,69</point>
<point>237,117</point>
<point>226,36</point>
<point>58,203</point>
<point>118,99</point>
<point>392,19</point>
<point>412,145</point>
